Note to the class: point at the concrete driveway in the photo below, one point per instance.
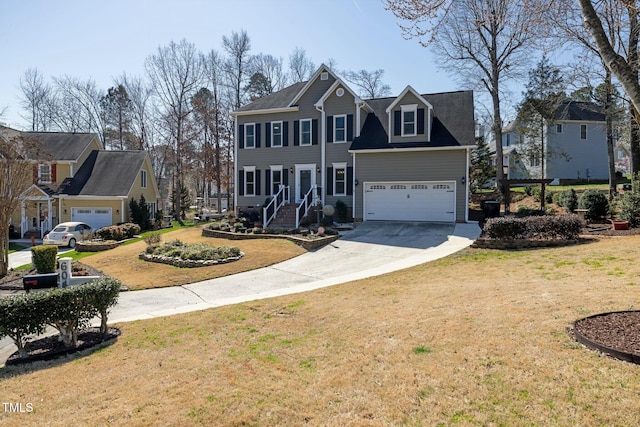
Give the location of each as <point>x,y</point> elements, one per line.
<point>373,248</point>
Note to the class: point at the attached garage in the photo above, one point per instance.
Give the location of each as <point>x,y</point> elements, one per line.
<point>410,201</point>
<point>95,217</point>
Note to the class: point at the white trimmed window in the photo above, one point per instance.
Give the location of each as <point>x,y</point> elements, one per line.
<point>339,179</point>
<point>250,135</point>
<point>44,173</point>
<point>276,134</point>
<point>143,179</point>
<point>152,209</point>
<point>276,178</point>
<point>340,128</point>
<point>305,132</point>
<point>249,180</point>
<point>583,131</point>
<point>409,114</point>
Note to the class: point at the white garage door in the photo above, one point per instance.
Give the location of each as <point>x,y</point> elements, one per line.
<point>410,201</point>
<point>95,217</point>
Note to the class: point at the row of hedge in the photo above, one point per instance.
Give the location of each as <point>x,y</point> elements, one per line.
<point>545,227</point>
<point>69,310</point>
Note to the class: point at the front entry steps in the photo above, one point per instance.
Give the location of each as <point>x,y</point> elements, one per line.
<point>286,216</point>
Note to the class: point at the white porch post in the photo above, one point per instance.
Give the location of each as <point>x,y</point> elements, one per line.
<point>23,221</point>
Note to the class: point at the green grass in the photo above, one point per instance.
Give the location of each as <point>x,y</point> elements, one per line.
<point>15,248</point>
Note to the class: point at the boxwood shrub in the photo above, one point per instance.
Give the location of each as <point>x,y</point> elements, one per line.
<point>545,227</point>
<point>118,232</point>
<point>44,258</point>
<point>596,204</point>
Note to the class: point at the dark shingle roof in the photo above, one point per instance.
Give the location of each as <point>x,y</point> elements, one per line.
<point>279,99</point>
<point>453,123</point>
<point>60,145</point>
<point>580,111</point>
<point>105,173</point>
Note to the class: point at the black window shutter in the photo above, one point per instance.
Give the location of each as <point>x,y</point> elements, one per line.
<point>420,121</point>
<point>257,183</point>
<point>285,134</point>
<point>257,135</point>
<point>349,183</point>
<point>314,132</point>
<point>329,181</point>
<point>241,183</point>
<point>330,129</point>
<point>296,133</point>
<point>267,135</point>
<point>397,122</point>
<point>241,136</point>
<point>285,177</point>
<point>267,182</point>
<point>349,127</point>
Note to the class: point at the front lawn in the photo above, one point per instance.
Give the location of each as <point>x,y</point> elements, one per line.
<point>478,338</point>
<point>123,262</point>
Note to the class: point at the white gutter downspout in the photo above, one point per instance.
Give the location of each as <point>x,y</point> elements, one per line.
<point>323,154</point>
<point>122,210</point>
<point>353,183</point>
<point>466,198</point>
<point>235,164</point>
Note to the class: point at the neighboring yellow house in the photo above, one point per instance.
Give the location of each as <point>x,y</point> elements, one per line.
<point>75,179</point>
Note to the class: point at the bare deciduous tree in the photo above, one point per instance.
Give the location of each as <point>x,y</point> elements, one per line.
<point>369,83</point>
<point>238,64</point>
<point>300,66</point>
<point>35,99</point>
<point>486,42</point>
<point>176,73</point>
<point>15,176</point>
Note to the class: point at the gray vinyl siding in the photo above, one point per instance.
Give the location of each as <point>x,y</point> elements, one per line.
<point>313,94</point>
<point>409,99</point>
<point>446,165</point>
<point>570,157</point>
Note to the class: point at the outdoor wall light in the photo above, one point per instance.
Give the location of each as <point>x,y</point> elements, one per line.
<point>65,211</point>
<point>117,211</point>
<point>356,182</point>
<point>463,180</point>
<point>291,169</point>
<point>318,170</point>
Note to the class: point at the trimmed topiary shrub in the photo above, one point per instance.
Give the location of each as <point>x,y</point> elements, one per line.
<point>341,211</point>
<point>44,258</point>
<point>596,204</point>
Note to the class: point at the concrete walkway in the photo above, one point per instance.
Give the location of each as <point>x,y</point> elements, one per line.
<point>369,250</point>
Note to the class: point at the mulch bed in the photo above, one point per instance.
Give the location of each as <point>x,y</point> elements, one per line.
<point>616,334</point>
<point>49,348</point>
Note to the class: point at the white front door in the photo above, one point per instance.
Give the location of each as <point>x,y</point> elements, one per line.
<point>305,180</point>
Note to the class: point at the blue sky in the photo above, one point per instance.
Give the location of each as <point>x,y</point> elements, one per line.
<point>102,39</point>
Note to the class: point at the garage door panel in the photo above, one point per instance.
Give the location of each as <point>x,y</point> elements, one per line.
<point>95,217</point>
<point>410,201</point>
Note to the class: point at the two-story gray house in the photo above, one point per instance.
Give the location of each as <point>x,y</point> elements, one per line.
<point>575,146</point>
<point>397,158</point>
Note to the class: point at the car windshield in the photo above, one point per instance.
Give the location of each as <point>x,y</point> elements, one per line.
<point>59,229</point>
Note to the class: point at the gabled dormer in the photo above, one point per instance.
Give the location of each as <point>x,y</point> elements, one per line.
<point>409,117</point>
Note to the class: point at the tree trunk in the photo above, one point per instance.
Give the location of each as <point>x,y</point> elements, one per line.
<point>610,139</point>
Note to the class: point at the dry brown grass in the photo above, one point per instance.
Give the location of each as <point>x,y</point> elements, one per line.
<point>479,338</point>
<point>123,263</point>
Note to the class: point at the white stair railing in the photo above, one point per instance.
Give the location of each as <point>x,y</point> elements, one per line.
<point>270,211</point>
<point>305,204</point>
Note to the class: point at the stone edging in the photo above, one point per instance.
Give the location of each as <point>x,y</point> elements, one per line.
<point>95,247</point>
<point>483,243</point>
<point>186,263</point>
<point>306,244</point>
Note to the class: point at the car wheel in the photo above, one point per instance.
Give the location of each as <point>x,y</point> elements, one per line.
<point>72,243</point>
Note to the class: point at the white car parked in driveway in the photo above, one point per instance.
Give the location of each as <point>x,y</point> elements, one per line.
<point>67,234</point>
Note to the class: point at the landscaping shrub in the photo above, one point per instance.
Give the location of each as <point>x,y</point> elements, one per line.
<point>536,193</point>
<point>341,211</point>
<point>44,258</point>
<point>306,221</point>
<point>596,204</point>
<point>67,309</point>
<point>153,238</point>
<point>553,227</point>
<point>118,232</point>
<point>140,213</point>
<point>326,221</point>
<point>629,208</point>
<point>568,199</point>
<point>193,252</point>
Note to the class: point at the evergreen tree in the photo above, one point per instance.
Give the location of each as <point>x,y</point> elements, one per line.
<point>481,168</point>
